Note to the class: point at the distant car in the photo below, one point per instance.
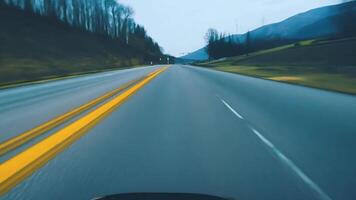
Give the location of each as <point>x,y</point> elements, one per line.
<point>160,196</point>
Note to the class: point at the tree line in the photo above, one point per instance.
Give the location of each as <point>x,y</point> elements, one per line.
<point>220,45</point>
<point>106,17</point>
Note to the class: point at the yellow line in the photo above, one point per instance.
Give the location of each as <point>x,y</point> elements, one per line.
<point>23,138</point>
<point>24,164</point>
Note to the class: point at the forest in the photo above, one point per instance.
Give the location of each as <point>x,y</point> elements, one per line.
<point>106,17</point>
<point>220,45</point>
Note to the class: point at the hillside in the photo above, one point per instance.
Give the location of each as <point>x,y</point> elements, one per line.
<point>326,22</point>
<point>199,54</point>
<point>317,63</point>
<point>34,47</point>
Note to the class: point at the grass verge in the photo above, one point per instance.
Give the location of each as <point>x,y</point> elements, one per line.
<point>306,76</point>
<point>323,64</point>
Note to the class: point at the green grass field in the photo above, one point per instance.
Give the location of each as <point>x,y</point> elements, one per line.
<point>321,64</point>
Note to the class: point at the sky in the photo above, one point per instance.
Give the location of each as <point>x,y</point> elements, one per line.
<point>179,26</point>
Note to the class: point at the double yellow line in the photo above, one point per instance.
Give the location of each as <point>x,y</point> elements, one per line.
<point>23,138</point>
<point>16,169</point>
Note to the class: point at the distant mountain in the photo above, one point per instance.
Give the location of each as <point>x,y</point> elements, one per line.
<point>330,21</point>
<point>292,28</point>
<point>199,54</point>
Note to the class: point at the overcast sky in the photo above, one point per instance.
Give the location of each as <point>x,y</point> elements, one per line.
<point>179,26</point>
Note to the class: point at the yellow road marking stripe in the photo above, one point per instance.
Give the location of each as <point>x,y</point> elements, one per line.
<point>23,138</point>
<point>24,164</point>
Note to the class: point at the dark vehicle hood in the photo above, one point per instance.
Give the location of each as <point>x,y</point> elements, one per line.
<point>160,196</point>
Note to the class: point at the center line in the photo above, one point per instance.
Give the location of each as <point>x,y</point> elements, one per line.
<point>318,191</point>
<point>232,110</point>
<point>22,165</point>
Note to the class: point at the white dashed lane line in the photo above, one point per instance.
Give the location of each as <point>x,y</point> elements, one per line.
<point>319,193</point>
<point>231,109</point>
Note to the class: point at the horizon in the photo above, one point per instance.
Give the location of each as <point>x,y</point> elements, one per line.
<point>167,32</point>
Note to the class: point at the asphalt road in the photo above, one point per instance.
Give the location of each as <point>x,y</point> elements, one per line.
<point>193,130</point>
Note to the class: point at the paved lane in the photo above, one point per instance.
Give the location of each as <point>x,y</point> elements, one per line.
<point>26,107</point>
<point>192,130</point>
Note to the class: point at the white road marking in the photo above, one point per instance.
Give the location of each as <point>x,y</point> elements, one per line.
<point>231,109</point>
<point>318,191</point>
<point>313,186</point>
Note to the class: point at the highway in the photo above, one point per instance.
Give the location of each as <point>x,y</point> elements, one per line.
<point>188,129</point>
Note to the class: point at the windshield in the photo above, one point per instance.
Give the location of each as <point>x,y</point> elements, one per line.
<point>178,99</point>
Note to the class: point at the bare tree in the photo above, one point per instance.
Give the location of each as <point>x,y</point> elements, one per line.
<point>248,43</point>
<point>107,17</point>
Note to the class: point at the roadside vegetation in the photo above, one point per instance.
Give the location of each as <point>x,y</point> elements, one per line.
<point>311,49</point>
<point>53,38</point>
<point>325,64</point>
